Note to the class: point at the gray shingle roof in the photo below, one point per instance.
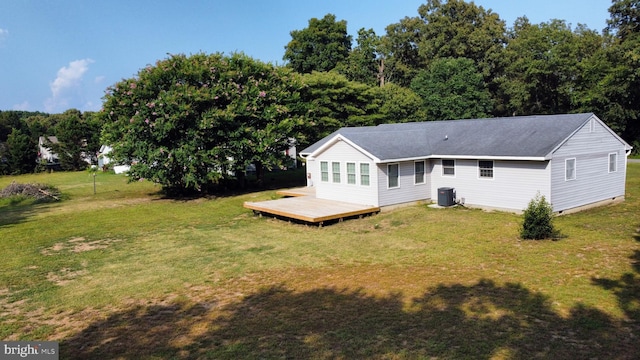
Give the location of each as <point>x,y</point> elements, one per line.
<point>521,136</point>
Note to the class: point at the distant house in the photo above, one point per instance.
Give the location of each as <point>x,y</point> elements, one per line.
<point>104,160</point>
<point>573,160</point>
<point>45,155</point>
<point>49,158</point>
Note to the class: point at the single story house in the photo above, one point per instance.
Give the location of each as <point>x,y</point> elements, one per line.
<point>573,160</point>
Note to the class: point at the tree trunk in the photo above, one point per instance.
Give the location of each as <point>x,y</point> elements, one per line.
<point>381,72</point>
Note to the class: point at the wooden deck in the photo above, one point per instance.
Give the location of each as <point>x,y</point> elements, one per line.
<point>310,209</point>
<point>299,191</point>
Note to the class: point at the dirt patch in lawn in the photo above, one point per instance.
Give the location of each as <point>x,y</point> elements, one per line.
<point>77,245</point>
<point>65,276</point>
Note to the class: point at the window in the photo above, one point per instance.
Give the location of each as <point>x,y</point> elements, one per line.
<point>418,169</point>
<point>448,167</point>
<point>486,169</point>
<point>324,171</point>
<point>335,171</point>
<point>570,169</point>
<point>613,162</point>
<point>351,173</point>
<point>393,176</point>
<point>364,174</point>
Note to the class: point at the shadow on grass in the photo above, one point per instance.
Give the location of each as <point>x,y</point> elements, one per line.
<point>627,287</point>
<point>16,213</point>
<point>272,180</point>
<point>477,321</point>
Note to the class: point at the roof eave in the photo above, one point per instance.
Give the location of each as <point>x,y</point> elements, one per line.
<point>468,157</point>
<point>335,139</point>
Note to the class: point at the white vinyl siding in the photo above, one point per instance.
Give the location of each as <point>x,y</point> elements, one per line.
<point>420,172</point>
<point>364,174</point>
<point>335,172</point>
<point>351,173</point>
<point>393,176</point>
<point>514,183</point>
<point>407,191</point>
<point>324,171</point>
<point>591,147</point>
<point>343,153</point>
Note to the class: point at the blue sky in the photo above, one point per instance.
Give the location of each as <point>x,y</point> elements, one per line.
<point>57,55</point>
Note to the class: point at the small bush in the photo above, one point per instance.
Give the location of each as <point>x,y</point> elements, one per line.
<point>538,220</point>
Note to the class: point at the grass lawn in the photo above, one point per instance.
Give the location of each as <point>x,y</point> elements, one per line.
<point>124,273</point>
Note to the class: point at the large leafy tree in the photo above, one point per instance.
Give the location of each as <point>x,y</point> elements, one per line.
<point>364,63</point>
<point>333,102</point>
<point>453,89</point>
<point>625,18</point>
<point>456,28</point>
<point>618,92</point>
<point>445,29</point>
<point>20,153</point>
<point>320,46</point>
<point>547,67</point>
<point>189,122</point>
<point>77,140</point>
<point>9,120</point>
<point>400,51</point>
<point>397,104</point>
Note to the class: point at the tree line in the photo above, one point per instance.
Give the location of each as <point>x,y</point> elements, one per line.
<point>188,122</point>
<point>78,134</point>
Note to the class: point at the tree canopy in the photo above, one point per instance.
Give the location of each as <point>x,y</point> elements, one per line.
<point>189,122</point>
<point>452,89</point>
<point>319,47</point>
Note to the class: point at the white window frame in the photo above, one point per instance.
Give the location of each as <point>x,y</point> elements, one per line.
<point>424,172</point>
<point>566,167</point>
<point>452,167</point>
<point>389,176</point>
<point>324,172</point>
<point>336,179</point>
<point>613,163</point>
<point>351,176</point>
<point>484,177</point>
<point>363,175</point>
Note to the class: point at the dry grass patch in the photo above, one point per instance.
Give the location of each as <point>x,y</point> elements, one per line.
<point>77,245</point>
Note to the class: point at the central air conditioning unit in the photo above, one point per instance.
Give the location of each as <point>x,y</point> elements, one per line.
<point>446,196</point>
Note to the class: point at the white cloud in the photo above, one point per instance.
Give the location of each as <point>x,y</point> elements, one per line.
<point>99,79</point>
<point>91,106</point>
<point>4,33</point>
<point>24,106</point>
<point>69,79</point>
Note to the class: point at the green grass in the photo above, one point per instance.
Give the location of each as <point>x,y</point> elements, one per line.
<point>125,272</point>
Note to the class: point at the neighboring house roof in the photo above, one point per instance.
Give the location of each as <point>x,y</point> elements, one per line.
<point>520,137</point>
<point>51,139</point>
